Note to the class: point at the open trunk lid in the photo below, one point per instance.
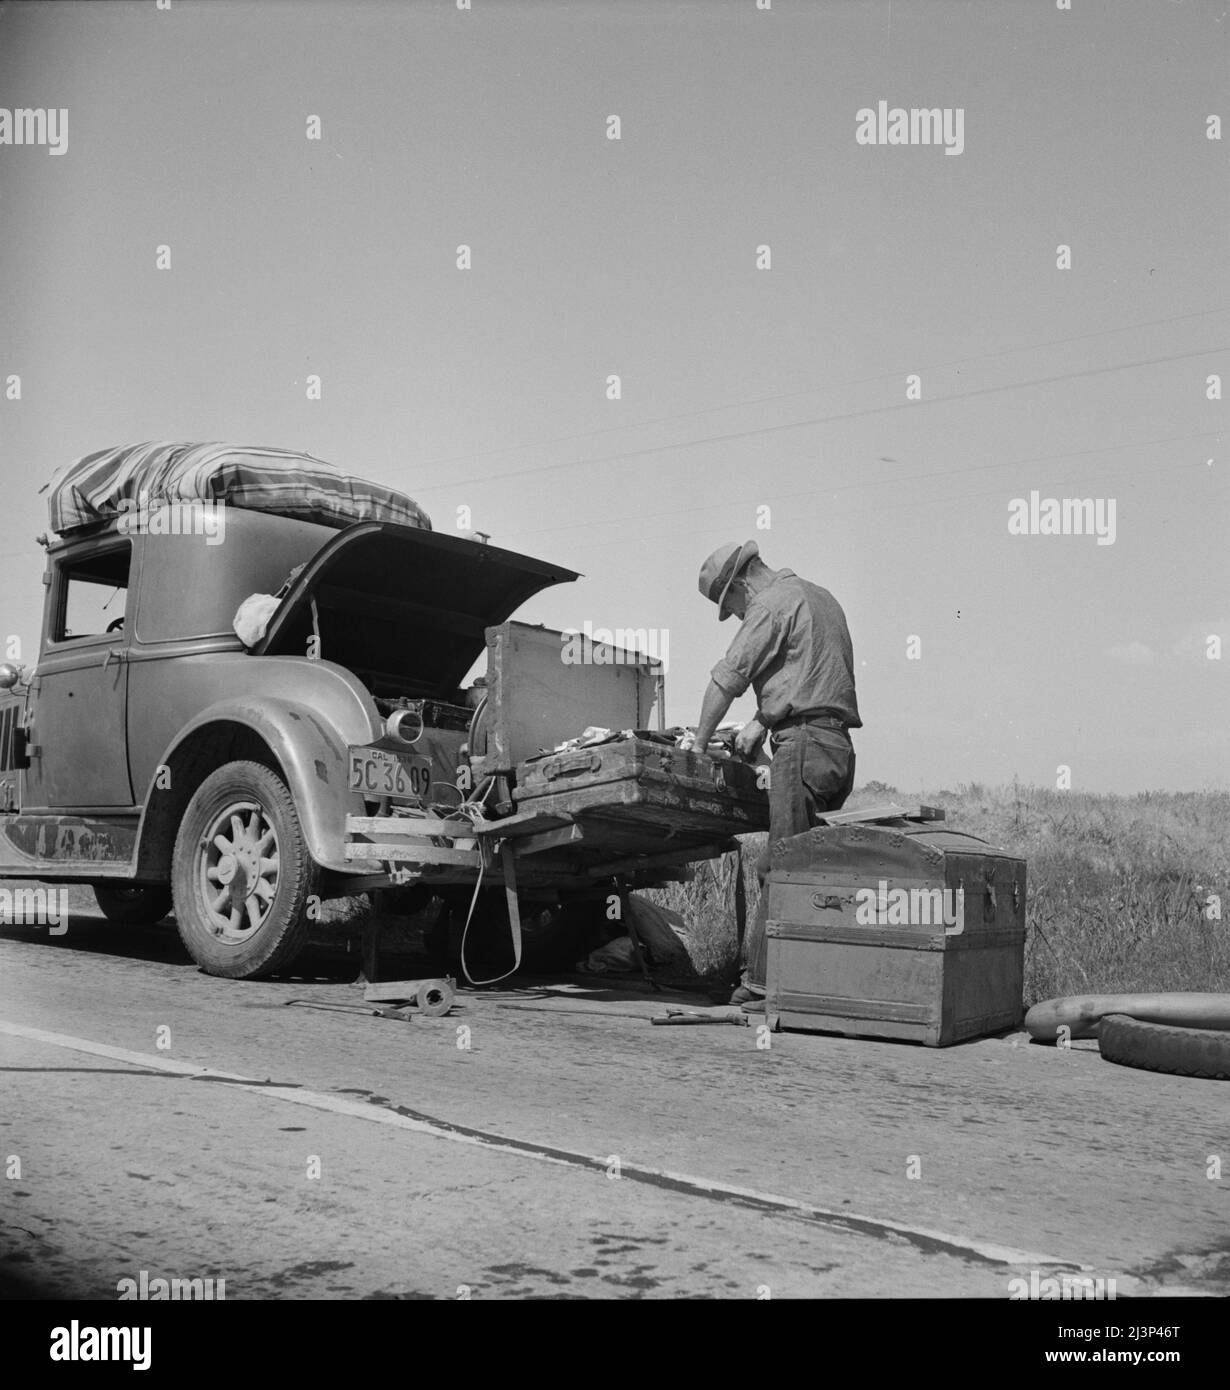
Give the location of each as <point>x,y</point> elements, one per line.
<point>406,610</point>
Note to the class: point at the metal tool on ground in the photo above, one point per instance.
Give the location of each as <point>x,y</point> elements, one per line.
<point>402,1014</point>
<point>684,1016</point>
<point>434,997</point>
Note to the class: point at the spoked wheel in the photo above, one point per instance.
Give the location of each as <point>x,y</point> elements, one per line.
<point>239,871</point>
<point>242,874</point>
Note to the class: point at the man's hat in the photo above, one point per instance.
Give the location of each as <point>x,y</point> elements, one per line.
<point>719,570</point>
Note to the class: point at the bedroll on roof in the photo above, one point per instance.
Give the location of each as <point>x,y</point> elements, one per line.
<point>117,480</point>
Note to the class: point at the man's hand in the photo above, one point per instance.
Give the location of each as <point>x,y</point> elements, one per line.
<point>749,738</point>
<point>687,741</point>
<point>713,708</point>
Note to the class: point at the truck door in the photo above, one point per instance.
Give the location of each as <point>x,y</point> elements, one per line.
<point>77,728</point>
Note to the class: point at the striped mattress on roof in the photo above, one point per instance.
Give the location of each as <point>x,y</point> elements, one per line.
<point>292,484</point>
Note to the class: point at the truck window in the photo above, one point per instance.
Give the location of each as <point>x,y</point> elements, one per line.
<point>93,594</point>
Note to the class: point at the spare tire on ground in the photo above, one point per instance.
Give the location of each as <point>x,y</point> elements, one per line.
<point>1080,1014</point>
<point>1164,1047</point>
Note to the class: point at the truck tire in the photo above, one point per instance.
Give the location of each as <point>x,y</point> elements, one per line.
<point>133,905</point>
<point>1081,1013</point>
<point>242,875</point>
<point>1162,1047</point>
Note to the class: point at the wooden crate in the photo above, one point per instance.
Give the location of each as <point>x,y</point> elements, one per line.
<point>894,964</point>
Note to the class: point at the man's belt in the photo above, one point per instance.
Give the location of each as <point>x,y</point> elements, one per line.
<point>826,721</point>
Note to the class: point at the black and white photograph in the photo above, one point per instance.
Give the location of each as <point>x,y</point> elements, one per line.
<point>611,672</point>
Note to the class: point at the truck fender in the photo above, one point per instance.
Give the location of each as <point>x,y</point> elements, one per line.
<point>308,751</point>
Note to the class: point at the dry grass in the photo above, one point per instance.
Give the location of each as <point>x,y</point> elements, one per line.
<point>1118,886</point>
<point>707,906</point>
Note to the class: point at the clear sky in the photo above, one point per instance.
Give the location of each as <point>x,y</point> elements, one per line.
<point>742,388</point>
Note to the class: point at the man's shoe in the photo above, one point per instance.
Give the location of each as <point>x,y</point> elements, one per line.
<point>744,995</point>
<point>755,1005</point>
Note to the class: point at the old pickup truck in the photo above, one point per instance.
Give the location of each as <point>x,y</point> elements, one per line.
<point>152,754</point>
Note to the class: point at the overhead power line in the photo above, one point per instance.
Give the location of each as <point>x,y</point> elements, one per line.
<point>896,481</point>
<point>812,390</point>
<point>817,420</point>
<point>644,538</point>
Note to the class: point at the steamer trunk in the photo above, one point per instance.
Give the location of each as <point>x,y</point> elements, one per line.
<point>906,973</point>
<point>652,785</point>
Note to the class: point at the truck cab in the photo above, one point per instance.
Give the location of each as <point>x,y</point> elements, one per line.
<point>153,755</point>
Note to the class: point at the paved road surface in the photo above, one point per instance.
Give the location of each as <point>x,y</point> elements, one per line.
<point>298,1149</point>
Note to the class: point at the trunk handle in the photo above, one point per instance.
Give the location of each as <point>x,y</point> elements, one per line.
<point>572,764</point>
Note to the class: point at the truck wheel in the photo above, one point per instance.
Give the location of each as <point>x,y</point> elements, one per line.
<point>1158,1047</point>
<point>133,905</point>
<point>242,874</point>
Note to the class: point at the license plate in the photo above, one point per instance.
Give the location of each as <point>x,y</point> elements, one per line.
<point>377,772</point>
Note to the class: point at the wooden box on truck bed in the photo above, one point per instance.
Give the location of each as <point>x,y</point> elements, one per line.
<point>636,781</point>
<point>899,931</point>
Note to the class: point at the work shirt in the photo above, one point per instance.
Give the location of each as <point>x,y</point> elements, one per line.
<point>793,648</point>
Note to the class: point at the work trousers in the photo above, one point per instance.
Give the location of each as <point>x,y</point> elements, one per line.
<point>812,772</point>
